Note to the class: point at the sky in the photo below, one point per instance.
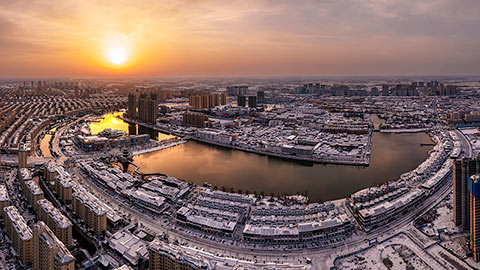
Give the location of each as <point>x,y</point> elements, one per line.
<point>61,38</point>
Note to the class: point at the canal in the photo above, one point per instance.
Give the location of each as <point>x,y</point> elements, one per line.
<point>392,155</point>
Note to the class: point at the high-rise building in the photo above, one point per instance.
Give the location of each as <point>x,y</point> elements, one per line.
<point>50,172</point>
<point>237,90</point>
<point>4,198</point>
<point>474,192</point>
<point>252,101</point>
<point>194,119</point>
<point>22,157</point>
<point>211,100</point>
<point>33,193</point>
<point>56,221</point>
<point>261,97</point>
<point>241,101</point>
<point>385,90</point>
<point>64,188</point>
<point>132,106</point>
<point>195,102</point>
<point>142,107</point>
<point>49,252</point>
<point>216,99</point>
<point>206,101</point>
<point>19,233</point>
<point>24,175</point>
<point>463,169</point>
<point>152,109</point>
<point>87,209</point>
<point>223,98</point>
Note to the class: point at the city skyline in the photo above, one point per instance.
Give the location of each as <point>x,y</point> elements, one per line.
<point>242,134</point>
<point>243,38</point>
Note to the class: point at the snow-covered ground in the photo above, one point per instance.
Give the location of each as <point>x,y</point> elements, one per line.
<point>439,218</point>
<point>399,252</point>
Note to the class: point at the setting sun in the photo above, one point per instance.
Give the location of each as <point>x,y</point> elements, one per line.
<point>117,55</point>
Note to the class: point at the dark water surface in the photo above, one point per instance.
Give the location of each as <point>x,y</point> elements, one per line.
<point>392,155</point>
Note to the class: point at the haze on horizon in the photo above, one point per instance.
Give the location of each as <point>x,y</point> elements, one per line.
<point>56,38</point>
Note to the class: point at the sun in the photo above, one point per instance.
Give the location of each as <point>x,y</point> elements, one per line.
<point>117,55</point>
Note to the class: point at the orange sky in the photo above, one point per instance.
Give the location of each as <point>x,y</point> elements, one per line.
<point>236,38</point>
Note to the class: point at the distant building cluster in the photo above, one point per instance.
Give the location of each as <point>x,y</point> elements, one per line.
<point>237,90</point>
<point>195,119</point>
<point>462,117</point>
<point>21,123</point>
<point>145,108</point>
<point>242,101</point>
<point>413,89</point>
<point>206,101</point>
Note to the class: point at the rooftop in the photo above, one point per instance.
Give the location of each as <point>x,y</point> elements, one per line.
<point>61,220</point>
<point>4,194</point>
<point>21,227</point>
<point>63,256</point>
<point>34,188</point>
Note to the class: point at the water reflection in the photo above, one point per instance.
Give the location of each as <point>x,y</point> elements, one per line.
<point>392,155</point>
<point>112,121</point>
<point>44,146</point>
<point>109,120</point>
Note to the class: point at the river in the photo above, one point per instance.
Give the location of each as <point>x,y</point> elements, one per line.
<point>392,155</point>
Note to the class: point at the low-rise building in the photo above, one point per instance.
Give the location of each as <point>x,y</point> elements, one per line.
<point>166,256</point>
<point>281,224</point>
<point>129,246</point>
<point>380,214</point>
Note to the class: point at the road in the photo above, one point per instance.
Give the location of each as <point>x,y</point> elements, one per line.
<point>323,255</point>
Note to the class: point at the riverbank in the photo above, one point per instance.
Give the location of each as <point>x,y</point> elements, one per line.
<point>413,130</point>
<point>335,161</point>
<point>226,168</point>
<point>157,148</point>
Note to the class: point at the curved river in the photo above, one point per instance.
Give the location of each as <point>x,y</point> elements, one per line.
<point>392,155</point>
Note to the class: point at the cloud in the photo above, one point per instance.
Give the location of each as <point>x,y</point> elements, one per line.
<point>244,37</point>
